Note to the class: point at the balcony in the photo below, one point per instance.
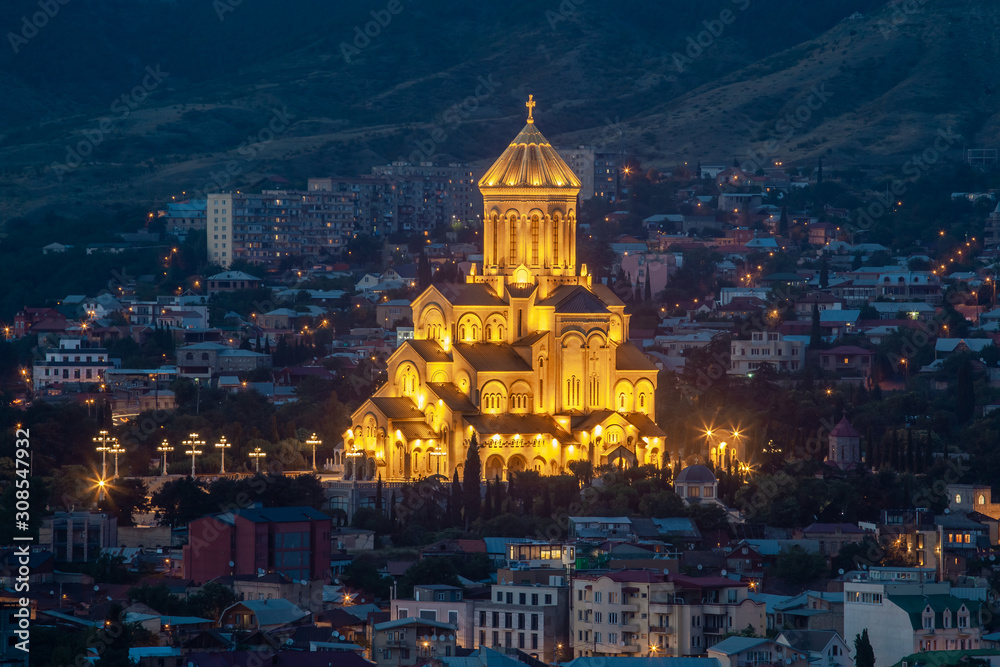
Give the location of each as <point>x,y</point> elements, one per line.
<point>662,629</point>
<point>630,607</point>
<point>630,627</point>
<point>397,643</point>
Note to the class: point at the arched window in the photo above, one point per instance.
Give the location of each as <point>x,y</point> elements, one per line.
<point>642,401</point>
<point>204,356</point>
<point>190,356</point>
<point>534,239</point>
<point>513,240</point>
<point>621,401</point>
<point>499,332</point>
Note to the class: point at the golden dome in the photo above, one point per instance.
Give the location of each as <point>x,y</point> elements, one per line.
<point>530,162</point>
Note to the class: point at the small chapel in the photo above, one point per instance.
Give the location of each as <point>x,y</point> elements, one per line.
<point>529,355</point>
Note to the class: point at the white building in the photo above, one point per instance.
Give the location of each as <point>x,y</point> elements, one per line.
<point>908,616</point>
<point>528,611</point>
<point>71,362</point>
<point>766,347</point>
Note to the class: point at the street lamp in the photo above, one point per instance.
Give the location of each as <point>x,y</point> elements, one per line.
<point>354,454</point>
<point>314,441</point>
<point>116,449</point>
<point>102,439</point>
<point>193,444</point>
<point>163,449</point>
<point>257,455</point>
<point>223,445</point>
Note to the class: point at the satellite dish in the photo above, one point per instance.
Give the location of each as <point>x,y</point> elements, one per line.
<point>724,573</point>
<point>289,642</point>
<point>699,567</point>
<point>621,643</point>
<point>52,592</point>
<point>666,571</point>
<point>96,588</point>
<point>336,581</point>
<point>947,510</point>
<point>434,638</point>
<point>109,598</point>
<point>841,570</point>
<point>992,557</point>
<point>788,661</point>
<point>304,582</point>
<point>231,563</point>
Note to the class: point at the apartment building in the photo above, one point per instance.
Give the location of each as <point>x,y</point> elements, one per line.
<point>439,602</point>
<point>272,226</point>
<point>528,610</point>
<point>781,352</point>
<point>71,362</point>
<point>631,613</point>
<point>905,611</point>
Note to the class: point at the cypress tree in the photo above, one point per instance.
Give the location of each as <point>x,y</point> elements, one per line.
<point>815,332</point>
<point>488,502</point>
<point>819,172</point>
<point>470,482</point>
<point>392,508</point>
<point>783,222</point>
<point>455,500</point>
<point>378,494</point>
<point>647,290</point>
<point>824,273</point>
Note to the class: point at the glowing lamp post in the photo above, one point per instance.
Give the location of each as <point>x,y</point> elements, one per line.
<point>257,454</point>
<point>222,446</point>
<point>116,449</point>
<point>102,438</point>
<point>193,445</point>
<point>314,442</point>
<point>163,449</point>
<point>353,455</point>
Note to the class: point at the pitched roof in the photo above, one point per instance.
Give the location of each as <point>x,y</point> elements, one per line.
<point>469,294</point>
<point>276,611</point>
<point>492,357</point>
<point>412,620</point>
<point>844,430</point>
<point>914,606</point>
<point>630,358</point>
<point>811,641</point>
<point>734,645</point>
<point>452,396</point>
<point>276,514</point>
<point>647,427</point>
<point>524,425</point>
<point>428,350</point>
<point>830,528</point>
<point>397,408</point>
<point>573,299</point>
<point>415,430</point>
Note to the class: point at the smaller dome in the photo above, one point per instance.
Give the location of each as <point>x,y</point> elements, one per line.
<point>697,474</point>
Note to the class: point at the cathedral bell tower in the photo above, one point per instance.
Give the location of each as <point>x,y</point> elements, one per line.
<point>530,197</point>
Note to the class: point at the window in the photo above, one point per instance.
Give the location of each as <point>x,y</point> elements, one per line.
<point>613,618</point>
<point>548,598</point>
<point>482,618</point>
<point>612,598</point>
<point>597,597</point>
<point>598,617</point>
<point>522,598</point>
<point>534,599</point>
<point>402,613</point>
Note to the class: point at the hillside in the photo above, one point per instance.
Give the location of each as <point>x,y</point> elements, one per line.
<point>596,67</point>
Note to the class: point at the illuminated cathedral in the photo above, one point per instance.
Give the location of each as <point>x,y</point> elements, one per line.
<point>529,354</point>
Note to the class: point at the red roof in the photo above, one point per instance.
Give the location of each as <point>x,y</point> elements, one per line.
<point>844,430</point>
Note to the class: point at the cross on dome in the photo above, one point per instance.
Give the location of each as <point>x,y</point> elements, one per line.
<point>531,107</point>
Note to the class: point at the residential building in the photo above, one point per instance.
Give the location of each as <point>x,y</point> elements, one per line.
<point>598,171</point>
<point>294,541</point>
<point>72,362</point>
<point>848,360</point>
<point>439,602</point>
<point>388,313</point>
<point>411,641</point>
<point>973,498</point>
<point>905,618</point>
<point>530,355</point>
<point>821,647</point>
<point>832,537</point>
<point>629,612</point>
<point>766,347</point>
<point>697,483</point>
<point>528,610</point>
<point>231,281</point>
<point>208,360</point>
<point>264,615</point>
<point>756,652</point>
<point>184,216</point>
<point>77,537</point>
<point>273,226</point>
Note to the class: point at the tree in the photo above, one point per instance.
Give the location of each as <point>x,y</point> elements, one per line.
<point>424,271</point>
<point>470,481</point>
<point>819,172</point>
<point>815,332</point>
<point>455,500</point>
<point>783,222</point>
<point>824,273</point>
<point>864,654</point>
<point>378,494</point>
<point>797,566</point>
<point>965,395</point>
<point>647,290</point>
<point>211,601</point>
